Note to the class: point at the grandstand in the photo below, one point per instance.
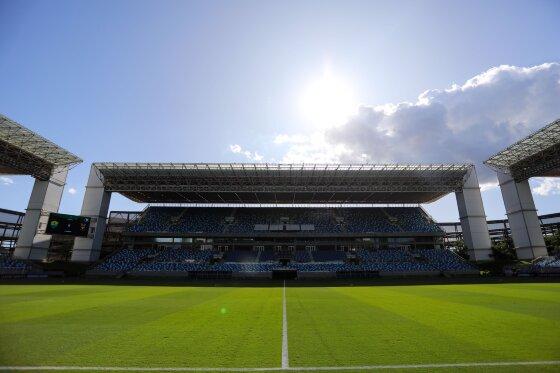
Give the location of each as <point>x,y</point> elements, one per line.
<point>267,221</point>
<point>258,221</point>
<point>259,241</point>
<point>335,208</point>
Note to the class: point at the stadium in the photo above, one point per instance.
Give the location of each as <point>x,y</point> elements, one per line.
<point>276,267</point>
<point>279,186</point>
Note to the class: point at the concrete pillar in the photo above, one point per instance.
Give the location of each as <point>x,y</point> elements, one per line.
<point>45,198</point>
<point>473,219</point>
<point>522,216</point>
<point>95,205</point>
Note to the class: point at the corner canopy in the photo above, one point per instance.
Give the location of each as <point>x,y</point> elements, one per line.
<point>23,152</point>
<point>235,183</point>
<point>536,155</point>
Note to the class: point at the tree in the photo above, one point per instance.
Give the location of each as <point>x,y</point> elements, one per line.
<point>504,250</point>
<point>552,242</point>
<point>461,249</point>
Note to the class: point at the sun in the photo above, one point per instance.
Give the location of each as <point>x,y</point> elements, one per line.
<point>327,101</point>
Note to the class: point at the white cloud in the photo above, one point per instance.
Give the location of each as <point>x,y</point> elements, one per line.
<point>315,149</point>
<point>488,186</point>
<point>257,157</point>
<point>464,123</point>
<point>6,180</point>
<point>235,148</point>
<point>287,139</point>
<point>252,156</point>
<point>546,186</point>
<point>72,190</point>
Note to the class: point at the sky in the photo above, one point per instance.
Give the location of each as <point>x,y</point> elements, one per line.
<point>263,81</point>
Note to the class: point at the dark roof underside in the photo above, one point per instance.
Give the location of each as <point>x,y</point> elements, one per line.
<point>536,155</point>
<point>23,152</point>
<point>292,184</point>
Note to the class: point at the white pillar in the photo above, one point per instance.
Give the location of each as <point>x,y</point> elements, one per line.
<point>96,206</point>
<point>522,216</point>
<point>473,219</point>
<point>45,198</point>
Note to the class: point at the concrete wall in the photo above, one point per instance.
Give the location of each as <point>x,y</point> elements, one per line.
<point>45,198</point>
<point>473,219</point>
<point>95,205</point>
<point>522,215</point>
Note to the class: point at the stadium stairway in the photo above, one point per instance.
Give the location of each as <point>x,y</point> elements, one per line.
<point>176,220</point>
<point>339,221</point>
<point>232,217</point>
<point>392,220</point>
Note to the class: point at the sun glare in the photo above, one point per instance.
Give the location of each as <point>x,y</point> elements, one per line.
<point>327,101</point>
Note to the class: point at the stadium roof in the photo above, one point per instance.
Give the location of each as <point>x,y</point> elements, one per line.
<point>23,152</point>
<point>281,183</point>
<point>536,155</point>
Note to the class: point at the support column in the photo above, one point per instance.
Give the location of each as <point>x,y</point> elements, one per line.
<point>96,206</point>
<point>45,198</point>
<point>473,219</point>
<point>522,216</point>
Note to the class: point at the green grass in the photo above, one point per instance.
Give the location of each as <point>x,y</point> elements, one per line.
<point>166,326</point>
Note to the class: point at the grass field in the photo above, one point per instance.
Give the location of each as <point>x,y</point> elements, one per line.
<point>235,327</point>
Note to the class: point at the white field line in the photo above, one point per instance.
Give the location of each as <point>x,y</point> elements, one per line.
<point>285,358</point>
<point>272,369</point>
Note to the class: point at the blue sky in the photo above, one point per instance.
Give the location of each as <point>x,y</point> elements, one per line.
<point>184,81</point>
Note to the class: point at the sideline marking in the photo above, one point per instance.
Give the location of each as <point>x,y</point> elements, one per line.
<point>218,369</point>
<point>285,359</point>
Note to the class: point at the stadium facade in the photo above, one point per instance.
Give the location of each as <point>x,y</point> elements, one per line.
<point>283,184</point>
<point>500,229</point>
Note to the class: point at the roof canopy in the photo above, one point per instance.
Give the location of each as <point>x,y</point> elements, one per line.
<point>23,152</point>
<point>281,183</point>
<point>536,155</point>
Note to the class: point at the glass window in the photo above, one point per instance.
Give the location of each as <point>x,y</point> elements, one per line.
<point>164,239</point>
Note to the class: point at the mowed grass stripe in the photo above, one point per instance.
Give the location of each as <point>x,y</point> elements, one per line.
<point>62,333</point>
<point>32,290</point>
<point>169,336</point>
<point>548,310</point>
<point>239,328</point>
<point>190,327</point>
<point>52,294</point>
<point>550,293</point>
<point>38,307</point>
<point>435,334</point>
<point>337,328</point>
<point>513,336</point>
<point>553,287</point>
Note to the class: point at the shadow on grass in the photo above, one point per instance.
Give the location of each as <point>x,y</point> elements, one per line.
<point>381,281</point>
